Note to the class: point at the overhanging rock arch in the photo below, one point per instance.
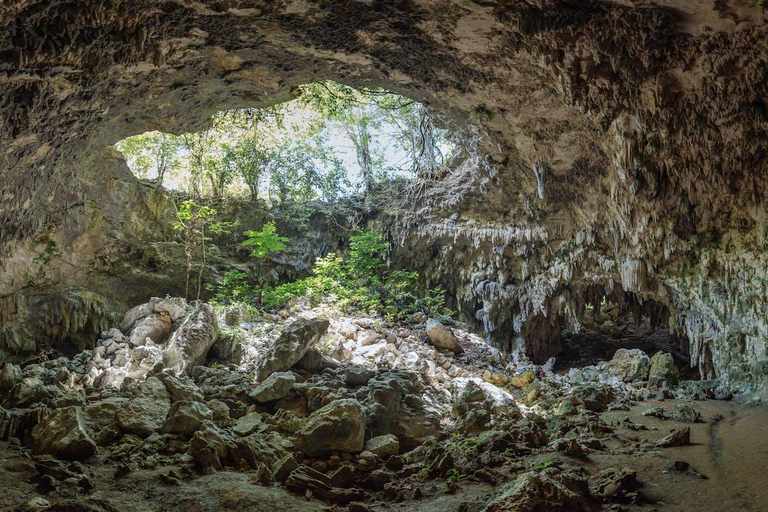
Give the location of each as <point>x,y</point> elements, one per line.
<point>590,92</point>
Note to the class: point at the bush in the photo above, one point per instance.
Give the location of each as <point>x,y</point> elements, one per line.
<point>361,283</point>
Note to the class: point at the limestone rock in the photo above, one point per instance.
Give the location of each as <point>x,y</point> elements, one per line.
<point>685,413</point>
<point>536,492</point>
<point>336,427</point>
<point>185,418</point>
<point>523,379</point>
<point>291,346</point>
<point>156,327</point>
<point>442,338</point>
<point>211,447</point>
<point>28,391</point>
<point>62,434</point>
<point>180,388</point>
<point>10,375</point>
<point>678,437</point>
<point>274,387</point>
<point>630,365</point>
<point>189,344</point>
<point>663,372</point>
<point>147,411</point>
<point>248,424</point>
<point>383,446</point>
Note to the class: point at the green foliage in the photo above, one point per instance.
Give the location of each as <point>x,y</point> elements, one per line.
<point>359,283</point>
<point>264,242</point>
<point>455,474</point>
<point>543,466</point>
<point>234,287</point>
<point>196,223</point>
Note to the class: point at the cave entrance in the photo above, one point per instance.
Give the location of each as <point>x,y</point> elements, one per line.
<point>331,141</point>
<point>619,319</point>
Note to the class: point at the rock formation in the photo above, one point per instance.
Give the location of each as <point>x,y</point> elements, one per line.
<point>616,148</point>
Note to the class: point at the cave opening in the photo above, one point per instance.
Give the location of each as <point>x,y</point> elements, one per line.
<point>247,336</point>
<point>620,319</point>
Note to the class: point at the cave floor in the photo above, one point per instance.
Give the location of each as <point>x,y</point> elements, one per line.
<point>727,446</point>
<point>511,436</point>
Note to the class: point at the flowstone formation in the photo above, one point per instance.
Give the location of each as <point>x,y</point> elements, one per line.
<point>323,411</point>
<point>617,143</point>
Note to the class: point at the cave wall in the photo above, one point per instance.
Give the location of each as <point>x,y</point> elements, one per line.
<point>615,142</point>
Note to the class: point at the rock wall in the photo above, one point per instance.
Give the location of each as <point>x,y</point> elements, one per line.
<point>622,142</point>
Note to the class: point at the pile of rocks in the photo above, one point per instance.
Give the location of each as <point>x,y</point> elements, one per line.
<point>342,409</point>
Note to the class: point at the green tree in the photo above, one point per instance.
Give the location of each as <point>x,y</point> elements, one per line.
<point>196,223</point>
<point>151,152</point>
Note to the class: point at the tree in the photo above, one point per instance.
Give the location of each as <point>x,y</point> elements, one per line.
<point>265,243</point>
<point>152,151</point>
<point>196,223</point>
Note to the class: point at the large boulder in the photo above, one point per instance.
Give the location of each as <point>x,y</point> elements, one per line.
<point>394,405</point>
<point>336,427</point>
<point>175,308</point>
<point>537,492</point>
<point>442,338</point>
<point>156,327</point>
<point>10,375</point>
<point>62,434</point>
<point>291,346</point>
<point>630,365</point>
<point>663,372</point>
<point>147,411</point>
<point>274,387</point>
<point>185,418</point>
<point>190,343</point>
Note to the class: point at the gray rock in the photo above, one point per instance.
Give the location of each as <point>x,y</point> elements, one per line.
<point>190,343</point>
<point>291,346</point>
<point>663,371</point>
<point>274,387</point>
<point>62,434</point>
<point>185,418</point>
<point>180,388</point>
<point>10,375</point>
<point>383,446</point>
<point>28,391</point>
<point>630,365</point>
<point>685,413</point>
<point>678,437</point>
<point>357,376</point>
<point>442,338</point>
<point>336,427</point>
<point>156,327</point>
<point>249,424</point>
<point>146,412</point>
<point>211,446</point>
<point>532,492</point>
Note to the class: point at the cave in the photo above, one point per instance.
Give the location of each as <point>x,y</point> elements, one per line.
<point>599,242</point>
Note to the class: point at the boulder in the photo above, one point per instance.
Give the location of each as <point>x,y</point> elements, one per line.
<point>274,387</point>
<point>535,492</point>
<point>147,411</point>
<point>442,338</point>
<point>62,434</point>
<point>594,397</point>
<point>10,375</point>
<point>336,427</point>
<point>685,413</point>
<point>383,446</point>
<point>175,308</point>
<point>678,437</point>
<point>185,418</point>
<point>663,372</point>
<point>156,327</point>
<point>630,365</point>
<point>190,343</point>
<point>180,388</point>
<point>28,391</point>
<point>249,424</point>
<point>291,346</point>
<point>211,447</point>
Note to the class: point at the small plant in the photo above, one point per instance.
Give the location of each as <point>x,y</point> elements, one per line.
<point>264,242</point>
<point>454,474</point>
<point>543,466</point>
